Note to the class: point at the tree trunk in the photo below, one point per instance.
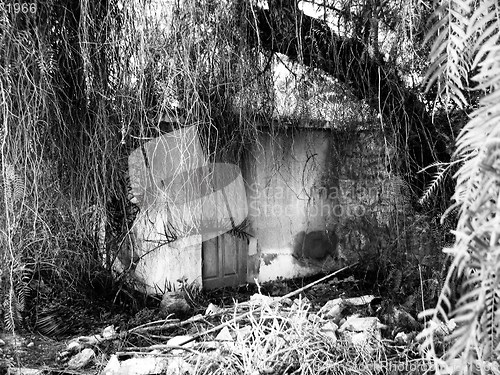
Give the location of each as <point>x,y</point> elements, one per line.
<point>286,30</point>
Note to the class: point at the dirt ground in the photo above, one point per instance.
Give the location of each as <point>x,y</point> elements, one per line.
<point>30,349</point>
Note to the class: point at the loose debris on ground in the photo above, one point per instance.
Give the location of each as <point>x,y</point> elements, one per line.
<point>265,335</point>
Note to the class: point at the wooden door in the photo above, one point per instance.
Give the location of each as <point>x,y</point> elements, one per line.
<point>224,261</point>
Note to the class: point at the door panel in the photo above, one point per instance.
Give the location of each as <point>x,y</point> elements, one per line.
<point>224,261</point>
<point>210,258</point>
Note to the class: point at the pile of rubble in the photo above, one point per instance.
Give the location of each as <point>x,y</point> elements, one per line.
<point>263,335</point>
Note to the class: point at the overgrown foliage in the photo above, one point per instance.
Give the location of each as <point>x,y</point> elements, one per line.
<point>465,57</point>
<point>84,83</point>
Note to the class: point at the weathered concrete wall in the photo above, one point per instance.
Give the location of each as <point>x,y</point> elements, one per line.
<point>157,261</point>
<point>318,199</point>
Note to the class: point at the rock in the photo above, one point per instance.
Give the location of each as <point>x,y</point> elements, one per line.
<point>401,338</point>
<point>356,323</point>
<point>136,366</point>
<point>362,332</point>
<point>90,341</point>
<point>224,335</point>
<point>174,303</point>
<point>178,366</point>
<point>243,332</point>
<point>332,310</point>
<point>359,301</point>
<point>74,347</point>
<point>212,309</point>
<point>329,329</point>
<point>109,332</point>
<point>2,343</point>
<point>82,359</point>
<point>30,344</point>
<point>179,341</point>
<point>112,367</point>
<point>329,326</point>
<point>63,356</point>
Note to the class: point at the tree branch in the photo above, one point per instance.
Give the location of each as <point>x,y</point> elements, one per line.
<point>285,29</point>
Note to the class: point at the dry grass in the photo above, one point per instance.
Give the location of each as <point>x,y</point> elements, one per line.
<point>278,340</point>
<point>82,84</point>
<point>80,89</point>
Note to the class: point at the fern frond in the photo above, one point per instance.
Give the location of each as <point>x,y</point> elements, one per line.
<point>483,30</point>
<point>449,56</point>
<point>488,336</point>
<point>11,312</point>
<point>437,180</point>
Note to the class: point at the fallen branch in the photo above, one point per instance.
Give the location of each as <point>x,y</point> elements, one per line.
<point>280,299</point>
<point>147,350</point>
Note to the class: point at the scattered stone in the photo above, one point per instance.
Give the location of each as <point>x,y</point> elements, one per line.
<point>82,359</point>
<point>90,341</point>
<point>355,323</point>
<point>362,332</point>
<point>178,366</point>
<point>243,332</point>
<point>401,338</point>
<point>74,347</point>
<point>332,310</point>
<point>359,301</point>
<point>63,356</point>
<point>212,309</point>
<point>329,329</point>
<point>174,303</point>
<point>179,341</point>
<point>224,335</point>
<point>109,332</point>
<point>112,367</point>
<point>330,326</point>
<point>136,366</point>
